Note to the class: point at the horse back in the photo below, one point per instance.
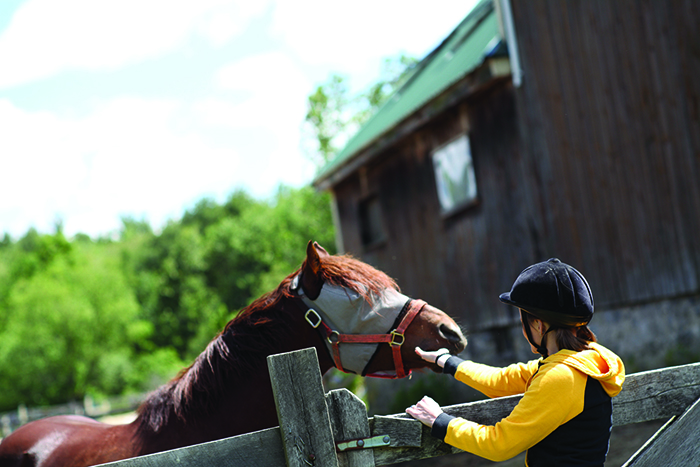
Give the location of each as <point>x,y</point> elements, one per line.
<point>67,440</point>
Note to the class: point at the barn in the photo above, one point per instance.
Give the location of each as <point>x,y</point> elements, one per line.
<point>541,129</point>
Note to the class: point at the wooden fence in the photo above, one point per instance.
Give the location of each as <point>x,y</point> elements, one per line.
<point>333,429</point>
<point>10,421</point>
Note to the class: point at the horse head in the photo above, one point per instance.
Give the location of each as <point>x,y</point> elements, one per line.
<point>367,325</point>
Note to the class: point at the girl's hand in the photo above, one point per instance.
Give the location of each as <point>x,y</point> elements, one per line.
<point>439,357</point>
<point>426,410</point>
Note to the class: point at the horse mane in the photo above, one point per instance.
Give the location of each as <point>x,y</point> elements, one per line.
<point>245,343</point>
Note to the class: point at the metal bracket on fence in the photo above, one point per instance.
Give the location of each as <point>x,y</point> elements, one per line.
<point>364,443</point>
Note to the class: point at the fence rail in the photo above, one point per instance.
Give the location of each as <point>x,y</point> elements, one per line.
<point>10,421</point>
<point>303,438</point>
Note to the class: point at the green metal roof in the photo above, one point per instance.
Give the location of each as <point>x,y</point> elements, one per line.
<point>460,53</point>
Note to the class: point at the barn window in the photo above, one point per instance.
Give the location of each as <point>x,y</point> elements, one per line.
<point>371,230</point>
<point>454,174</point>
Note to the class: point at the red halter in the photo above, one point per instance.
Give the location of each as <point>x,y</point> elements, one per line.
<point>394,338</point>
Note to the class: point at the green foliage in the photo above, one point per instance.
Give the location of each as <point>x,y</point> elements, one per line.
<point>39,252</point>
<point>6,241</point>
<point>395,72</point>
<point>333,115</point>
<point>193,277</point>
<point>62,324</point>
<point>326,107</point>
<point>113,316</point>
<point>681,353</point>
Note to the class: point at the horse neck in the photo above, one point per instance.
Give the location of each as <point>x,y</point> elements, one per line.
<point>253,402</point>
<point>246,402</point>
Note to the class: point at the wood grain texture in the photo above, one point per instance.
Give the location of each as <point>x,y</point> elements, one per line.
<point>676,443</point>
<point>657,394</point>
<point>348,415</point>
<point>250,450</point>
<point>403,432</point>
<point>305,427</point>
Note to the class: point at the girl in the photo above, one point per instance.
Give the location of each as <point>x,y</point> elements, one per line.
<point>565,415</point>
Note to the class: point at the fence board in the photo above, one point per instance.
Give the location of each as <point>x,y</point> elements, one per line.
<point>403,432</point>
<point>657,394</point>
<point>676,443</point>
<point>249,450</point>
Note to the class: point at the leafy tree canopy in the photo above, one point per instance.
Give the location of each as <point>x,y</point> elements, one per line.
<point>333,115</point>
<point>98,317</point>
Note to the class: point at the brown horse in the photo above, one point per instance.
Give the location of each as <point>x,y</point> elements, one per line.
<point>227,391</point>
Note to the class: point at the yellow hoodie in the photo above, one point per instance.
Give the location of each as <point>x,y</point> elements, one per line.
<point>564,417</point>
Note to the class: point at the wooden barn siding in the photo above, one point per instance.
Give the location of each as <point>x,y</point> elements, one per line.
<point>455,263</point>
<point>594,159</point>
<point>609,112</point>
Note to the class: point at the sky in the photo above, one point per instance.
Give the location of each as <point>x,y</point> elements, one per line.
<point>141,108</point>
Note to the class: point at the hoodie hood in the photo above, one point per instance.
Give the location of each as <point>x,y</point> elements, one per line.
<point>598,363</point>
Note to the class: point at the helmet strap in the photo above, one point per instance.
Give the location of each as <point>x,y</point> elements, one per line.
<point>542,346</point>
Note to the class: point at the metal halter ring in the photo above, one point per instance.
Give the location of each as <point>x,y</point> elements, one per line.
<point>313,315</point>
<point>333,335</point>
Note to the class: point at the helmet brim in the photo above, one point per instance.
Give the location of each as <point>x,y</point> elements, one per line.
<point>550,317</point>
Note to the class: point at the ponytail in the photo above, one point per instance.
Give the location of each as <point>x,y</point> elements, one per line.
<point>571,338</point>
<point>576,339</point>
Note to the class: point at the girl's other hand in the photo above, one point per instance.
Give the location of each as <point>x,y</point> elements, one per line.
<point>426,410</point>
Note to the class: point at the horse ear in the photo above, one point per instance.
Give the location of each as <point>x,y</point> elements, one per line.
<point>319,249</point>
<point>311,280</point>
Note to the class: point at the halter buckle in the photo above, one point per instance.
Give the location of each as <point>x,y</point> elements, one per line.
<point>395,338</point>
<point>312,314</point>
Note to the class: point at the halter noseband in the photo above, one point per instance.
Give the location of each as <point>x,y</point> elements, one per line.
<point>394,338</point>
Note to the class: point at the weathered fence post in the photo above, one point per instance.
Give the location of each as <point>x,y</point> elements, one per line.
<point>305,426</point>
<point>348,416</point>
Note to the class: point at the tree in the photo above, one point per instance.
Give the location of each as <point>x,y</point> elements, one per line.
<point>326,114</point>
<point>68,330</point>
<point>199,272</point>
<point>170,283</point>
<point>6,241</point>
<point>333,116</point>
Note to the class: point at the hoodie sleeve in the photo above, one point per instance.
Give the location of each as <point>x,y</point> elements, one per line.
<point>553,398</point>
<point>492,381</point>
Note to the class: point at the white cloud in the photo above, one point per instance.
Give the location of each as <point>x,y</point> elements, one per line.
<point>272,106</point>
<point>123,158</point>
<point>275,91</point>
<point>356,38</point>
<point>228,19</point>
<point>46,37</point>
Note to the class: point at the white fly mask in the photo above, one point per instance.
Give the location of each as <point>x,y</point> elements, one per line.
<point>345,311</point>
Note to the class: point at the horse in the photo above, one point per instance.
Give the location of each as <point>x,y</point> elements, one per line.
<point>226,391</point>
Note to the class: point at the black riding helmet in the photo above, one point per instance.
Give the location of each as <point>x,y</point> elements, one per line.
<point>553,292</point>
